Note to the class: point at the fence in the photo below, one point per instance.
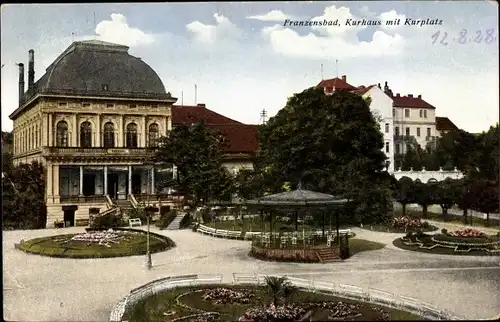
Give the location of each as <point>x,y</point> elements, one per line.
<point>352,292</point>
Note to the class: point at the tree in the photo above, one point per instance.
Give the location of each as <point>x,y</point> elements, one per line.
<point>278,288</point>
<point>487,194</point>
<point>329,143</point>
<point>197,152</point>
<point>446,196</point>
<point>24,197</point>
<point>405,193</point>
<point>465,199</point>
<point>425,195</point>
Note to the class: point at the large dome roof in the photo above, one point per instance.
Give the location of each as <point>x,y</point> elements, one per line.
<point>98,68</point>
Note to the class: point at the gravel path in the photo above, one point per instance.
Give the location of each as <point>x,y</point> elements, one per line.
<point>40,288</point>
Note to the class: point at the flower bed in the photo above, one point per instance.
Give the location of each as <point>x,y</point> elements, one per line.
<point>405,222</point>
<point>96,244</point>
<point>467,232</point>
<point>250,303</point>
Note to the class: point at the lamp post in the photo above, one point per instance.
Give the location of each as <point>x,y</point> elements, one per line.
<point>149,211</point>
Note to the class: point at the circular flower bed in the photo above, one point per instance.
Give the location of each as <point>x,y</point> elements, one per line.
<point>405,222</point>
<point>97,244</point>
<point>255,303</point>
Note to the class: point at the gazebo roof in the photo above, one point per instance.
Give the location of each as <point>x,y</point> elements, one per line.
<point>298,197</point>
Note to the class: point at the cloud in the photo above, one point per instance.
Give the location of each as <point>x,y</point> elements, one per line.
<point>273,15</point>
<point>332,41</point>
<point>391,16</point>
<point>209,34</point>
<point>118,31</point>
<point>365,12</point>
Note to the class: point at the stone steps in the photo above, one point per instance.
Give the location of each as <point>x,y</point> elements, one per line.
<point>176,223</point>
<point>327,255</point>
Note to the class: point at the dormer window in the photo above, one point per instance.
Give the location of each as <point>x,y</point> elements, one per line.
<point>105,87</point>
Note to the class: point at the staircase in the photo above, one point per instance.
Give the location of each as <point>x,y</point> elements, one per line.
<point>125,206</point>
<point>327,255</point>
<point>176,223</point>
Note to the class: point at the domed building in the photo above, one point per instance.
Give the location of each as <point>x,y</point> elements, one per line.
<point>90,120</point>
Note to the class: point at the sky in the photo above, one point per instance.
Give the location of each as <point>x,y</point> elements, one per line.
<point>248,57</point>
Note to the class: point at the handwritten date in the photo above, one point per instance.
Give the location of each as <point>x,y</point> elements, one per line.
<point>464,37</point>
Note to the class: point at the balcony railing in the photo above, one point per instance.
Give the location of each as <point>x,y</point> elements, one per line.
<point>94,151</point>
<point>83,199</point>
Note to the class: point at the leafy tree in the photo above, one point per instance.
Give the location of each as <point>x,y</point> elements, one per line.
<point>465,198</point>
<point>23,197</point>
<point>197,152</point>
<point>446,196</point>
<point>248,184</point>
<point>488,156</point>
<point>425,195</point>
<point>405,194</point>
<point>278,288</point>
<point>487,195</point>
<point>330,143</point>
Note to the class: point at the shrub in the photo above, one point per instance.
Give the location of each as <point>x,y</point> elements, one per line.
<point>444,231</point>
<point>106,222</point>
<point>405,222</point>
<point>139,213</point>
<point>186,221</point>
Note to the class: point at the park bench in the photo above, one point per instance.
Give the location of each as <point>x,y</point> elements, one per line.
<point>221,233</point>
<point>234,234</point>
<point>135,222</point>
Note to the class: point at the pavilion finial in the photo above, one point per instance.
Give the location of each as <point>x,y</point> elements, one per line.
<point>299,186</point>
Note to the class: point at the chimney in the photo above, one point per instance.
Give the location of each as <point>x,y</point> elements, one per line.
<point>420,96</point>
<point>386,87</point>
<point>410,95</point>
<point>379,85</point>
<point>21,82</point>
<point>344,78</point>
<point>31,69</point>
<point>200,105</point>
<point>397,94</point>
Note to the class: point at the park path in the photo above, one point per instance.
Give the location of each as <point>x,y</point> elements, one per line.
<point>40,288</point>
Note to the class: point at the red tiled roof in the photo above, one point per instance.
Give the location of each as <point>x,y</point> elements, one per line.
<point>336,83</point>
<point>410,101</point>
<point>362,89</point>
<point>191,114</point>
<point>239,137</point>
<point>445,124</point>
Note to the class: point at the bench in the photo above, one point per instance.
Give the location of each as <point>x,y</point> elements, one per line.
<point>135,222</point>
<point>234,234</point>
<point>82,222</point>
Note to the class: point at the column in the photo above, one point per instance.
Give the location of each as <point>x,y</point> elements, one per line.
<point>50,129</point>
<point>74,136</point>
<point>153,180</point>
<point>129,179</point>
<point>49,180</point>
<point>105,180</point>
<point>174,171</point>
<point>143,133</point>
<point>81,180</point>
<point>98,131</point>
<point>120,133</point>
<point>55,171</point>
<point>44,135</point>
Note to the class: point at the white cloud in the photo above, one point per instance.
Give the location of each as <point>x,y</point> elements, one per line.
<point>209,34</point>
<point>273,15</point>
<point>334,42</point>
<point>391,16</point>
<point>366,13</point>
<point>118,31</point>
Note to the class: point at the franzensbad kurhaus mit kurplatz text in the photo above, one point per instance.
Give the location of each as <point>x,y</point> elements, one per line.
<point>92,116</point>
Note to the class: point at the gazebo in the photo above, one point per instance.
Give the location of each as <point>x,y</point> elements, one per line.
<point>296,201</point>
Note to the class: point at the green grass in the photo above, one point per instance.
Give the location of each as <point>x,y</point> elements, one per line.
<point>54,246</point>
<point>255,224</point>
<point>427,242</point>
<point>155,308</point>
<point>357,245</point>
<point>450,218</point>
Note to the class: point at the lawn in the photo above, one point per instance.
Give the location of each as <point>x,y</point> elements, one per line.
<point>357,245</point>
<point>431,247</point>
<point>454,219</point>
<point>231,302</point>
<point>96,244</point>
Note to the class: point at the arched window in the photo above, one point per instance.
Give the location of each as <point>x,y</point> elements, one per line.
<point>109,135</point>
<point>132,135</point>
<point>62,134</point>
<point>86,135</point>
<point>153,135</point>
